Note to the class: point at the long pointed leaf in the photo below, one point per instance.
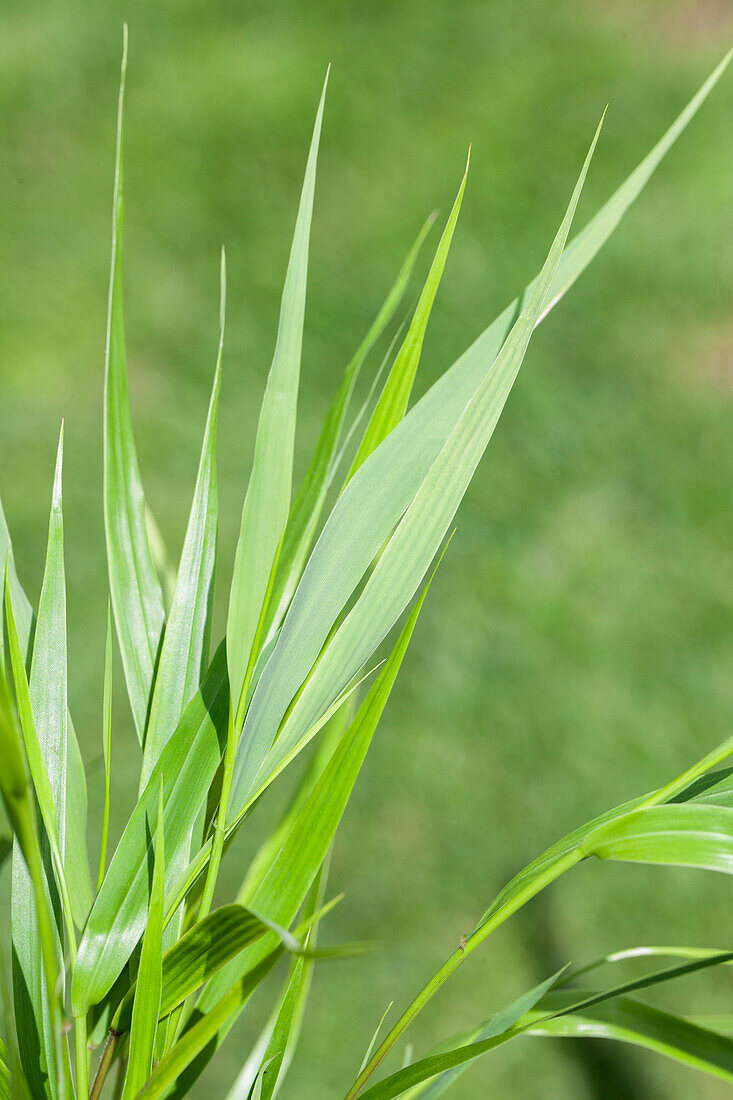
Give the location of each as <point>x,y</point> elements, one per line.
<point>687,835</point>
<point>184,652</point>
<point>308,505</point>
<point>393,400</point>
<point>137,600</point>
<point>36,1033</point>
<point>629,1021</point>
<point>286,883</point>
<point>146,1006</point>
<point>713,1056</point>
<point>267,502</point>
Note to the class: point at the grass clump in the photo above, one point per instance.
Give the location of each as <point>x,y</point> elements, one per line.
<point>144,971</point>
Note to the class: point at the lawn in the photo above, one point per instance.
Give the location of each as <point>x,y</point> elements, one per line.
<point>577,645</point>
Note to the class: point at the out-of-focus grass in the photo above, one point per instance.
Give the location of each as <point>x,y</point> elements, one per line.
<point>578,644</point>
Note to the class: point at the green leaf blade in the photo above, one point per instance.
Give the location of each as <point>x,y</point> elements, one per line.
<point>393,401</point>
<point>146,1005</point>
<point>267,502</point>
<point>137,599</point>
<point>184,651</point>
<point>381,490</point>
<point>406,557</point>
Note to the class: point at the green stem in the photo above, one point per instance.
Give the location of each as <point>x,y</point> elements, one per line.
<point>564,863</point>
<point>82,1057</point>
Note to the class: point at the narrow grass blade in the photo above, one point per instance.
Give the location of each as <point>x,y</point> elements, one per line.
<point>4,1072</point>
<point>23,610</point>
<point>375,1036</point>
<point>643,952</point>
<point>46,703</point>
<point>187,766</point>
<point>558,859</point>
<point>77,866</point>
<point>36,762</point>
<point>406,557</point>
<point>307,507</point>
<point>272,1062</point>
<point>146,1006</point>
<point>106,744</point>
<point>267,502</point>
<point>379,493</point>
<point>137,600</point>
<point>273,842</point>
<point>184,651</point>
<point>393,401</point>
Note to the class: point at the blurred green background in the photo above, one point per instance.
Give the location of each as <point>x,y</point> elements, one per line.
<point>577,647</point>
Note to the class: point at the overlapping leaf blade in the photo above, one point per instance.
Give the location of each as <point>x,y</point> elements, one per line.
<point>407,555</point>
<point>630,1021</point>
<point>307,507</point>
<point>383,487</point>
<point>184,652</point>
<point>687,835</point>
<point>707,1050</point>
<point>285,884</point>
<point>394,398</point>
<point>47,698</point>
<point>187,767</point>
<point>198,955</point>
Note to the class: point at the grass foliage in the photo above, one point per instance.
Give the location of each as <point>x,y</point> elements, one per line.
<point>127,988</point>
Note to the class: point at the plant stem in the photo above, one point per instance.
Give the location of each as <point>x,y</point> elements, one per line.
<point>564,863</point>
<point>82,1057</point>
<point>104,1065</point>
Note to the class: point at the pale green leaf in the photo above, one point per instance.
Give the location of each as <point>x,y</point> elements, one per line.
<point>184,652</point>
<point>146,1005</point>
<point>137,600</point>
<point>187,767</point>
<point>406,557</point>
<point>267,502</point>
<point>307,507</point>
